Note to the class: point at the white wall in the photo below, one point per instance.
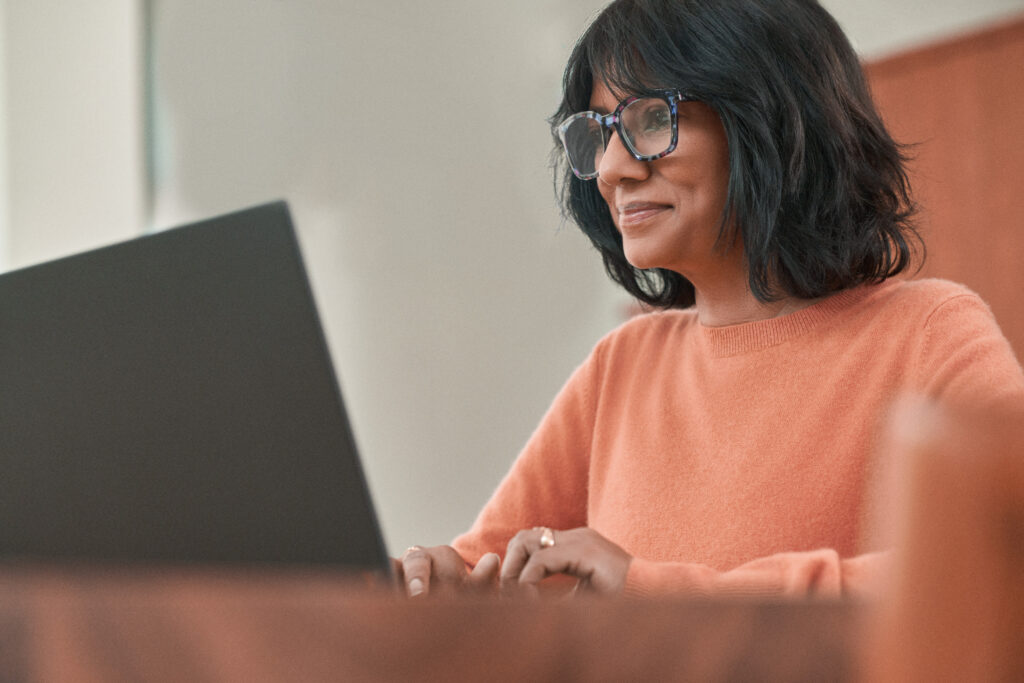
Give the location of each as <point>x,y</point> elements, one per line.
<point>413,148</point>
<point>4,201</point>
<point>71,117</point>
<point>880,27</point>
<point>410,140</point>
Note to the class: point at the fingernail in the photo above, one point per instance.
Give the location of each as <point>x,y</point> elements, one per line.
<point>415,587</point>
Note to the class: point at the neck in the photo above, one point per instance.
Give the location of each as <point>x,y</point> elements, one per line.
<point>718,309</point>
<point>722,292</point>
<point>729,301</point>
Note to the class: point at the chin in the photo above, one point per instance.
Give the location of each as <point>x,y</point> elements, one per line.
<point>638,258</point>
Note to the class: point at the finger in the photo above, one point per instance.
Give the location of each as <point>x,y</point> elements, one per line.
<point>518,552</point>
<point>486,569</point>
<point>485,573</point>
<point>416,571</point>
<point>544,563</point>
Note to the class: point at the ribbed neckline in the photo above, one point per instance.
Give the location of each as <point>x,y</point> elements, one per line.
<point>732,340</point>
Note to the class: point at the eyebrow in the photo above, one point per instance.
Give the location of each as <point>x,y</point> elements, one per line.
<point>600,110</point>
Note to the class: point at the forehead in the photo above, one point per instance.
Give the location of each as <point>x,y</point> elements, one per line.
<point>603,100</point>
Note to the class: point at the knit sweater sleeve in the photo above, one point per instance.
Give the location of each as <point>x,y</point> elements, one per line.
<point>547,484</point>
<point>818,573</point>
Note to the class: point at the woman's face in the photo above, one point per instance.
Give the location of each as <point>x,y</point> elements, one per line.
<point>669,210</point>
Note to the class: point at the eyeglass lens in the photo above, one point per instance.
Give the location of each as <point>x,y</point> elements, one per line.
<point>646,126</point>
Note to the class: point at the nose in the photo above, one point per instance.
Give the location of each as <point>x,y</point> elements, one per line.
<point>617,164</point>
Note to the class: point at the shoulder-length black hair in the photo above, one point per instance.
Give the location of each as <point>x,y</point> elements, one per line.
<point>817,187</point>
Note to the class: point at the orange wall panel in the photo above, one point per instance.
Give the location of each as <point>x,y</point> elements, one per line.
<point>960,104</point>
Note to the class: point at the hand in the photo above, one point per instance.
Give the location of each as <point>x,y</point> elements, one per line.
<point>442,570</point>
<point>600,565</point>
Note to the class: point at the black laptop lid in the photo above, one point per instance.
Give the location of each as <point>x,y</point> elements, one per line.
<point>171,399</point>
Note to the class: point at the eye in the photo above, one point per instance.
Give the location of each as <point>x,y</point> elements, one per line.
<point>657,119</point>
<point>648,116</point>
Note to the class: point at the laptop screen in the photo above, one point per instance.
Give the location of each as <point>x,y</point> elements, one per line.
<point>171,399</point>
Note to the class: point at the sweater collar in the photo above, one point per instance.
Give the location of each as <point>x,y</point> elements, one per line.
<point>732,340</point>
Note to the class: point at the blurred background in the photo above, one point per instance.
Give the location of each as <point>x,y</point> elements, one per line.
<point>410,140</point>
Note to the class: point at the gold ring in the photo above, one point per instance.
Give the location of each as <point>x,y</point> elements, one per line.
<point>547,537</point>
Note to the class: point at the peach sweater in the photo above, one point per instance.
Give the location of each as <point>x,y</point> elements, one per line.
<point>735,460</point>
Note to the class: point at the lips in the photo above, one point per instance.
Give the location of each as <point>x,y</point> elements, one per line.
<point>634,213</point>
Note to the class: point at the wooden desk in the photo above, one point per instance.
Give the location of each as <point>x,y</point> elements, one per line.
<point>955,612</point>
<point>153,626</point>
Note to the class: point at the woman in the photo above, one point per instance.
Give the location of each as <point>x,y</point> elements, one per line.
<point>725,158</point>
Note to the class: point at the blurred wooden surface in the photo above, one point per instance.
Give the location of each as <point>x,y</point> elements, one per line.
<point>960,103</point>
<point>956,607</point>
<point>954,611</point>
<point>88,626</point>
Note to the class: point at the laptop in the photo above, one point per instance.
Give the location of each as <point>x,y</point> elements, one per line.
<point>171,400</point>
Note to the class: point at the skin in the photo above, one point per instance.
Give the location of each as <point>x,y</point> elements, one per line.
<point>669,210</point>
<point>669,213</point>
<point>600,565</point>
<point>441,570</point>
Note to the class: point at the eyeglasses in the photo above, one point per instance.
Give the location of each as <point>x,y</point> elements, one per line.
<point>647,124</point>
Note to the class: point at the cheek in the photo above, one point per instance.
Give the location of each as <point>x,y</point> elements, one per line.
<point>716,181</point>
<point>608,195</point>
<point>723,166</point>
<point>721,170</point>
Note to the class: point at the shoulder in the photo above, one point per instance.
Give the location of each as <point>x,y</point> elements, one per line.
<point>636,346</point>
<point>961,352</point>
<point>655,327</point>
<point>931,290</point>
<point>920,301</point>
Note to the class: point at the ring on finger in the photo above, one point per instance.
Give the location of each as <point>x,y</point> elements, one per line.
<point>547,537</point>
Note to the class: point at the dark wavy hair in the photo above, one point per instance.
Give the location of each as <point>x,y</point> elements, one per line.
<point>817,186</point>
